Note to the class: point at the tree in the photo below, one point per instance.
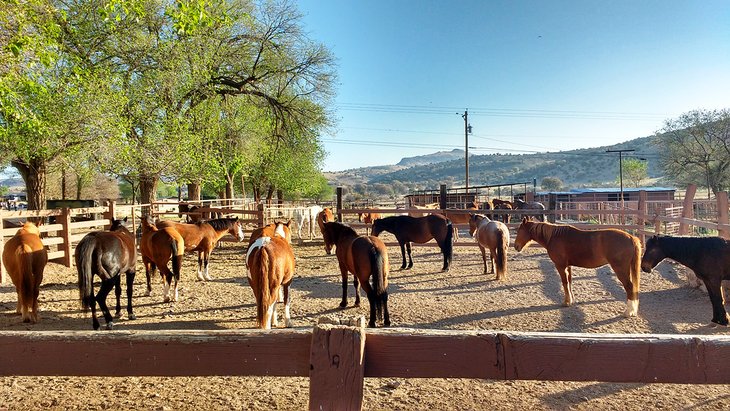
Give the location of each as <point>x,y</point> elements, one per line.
<point>695,149</point>
<point>635,171</point>
<point>551,184</point>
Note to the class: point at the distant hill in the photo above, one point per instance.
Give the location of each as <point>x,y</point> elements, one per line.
<point>592,166</point>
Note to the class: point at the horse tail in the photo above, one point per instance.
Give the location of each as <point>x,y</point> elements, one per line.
<point>25,270</point>
<point>177,256</point>
<point>501,260</point>
<point>263,271</point>
<point>84,261</point>
<point>635,268</point>
<point>448,247</point>
<point>380,281</point>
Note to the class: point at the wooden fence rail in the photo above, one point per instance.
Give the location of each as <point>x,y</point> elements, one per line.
<point>337,358</point>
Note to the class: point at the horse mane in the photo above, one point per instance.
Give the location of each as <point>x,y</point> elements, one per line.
<point>685,248</point>
<point>219,223</point>
<point>546,231</point>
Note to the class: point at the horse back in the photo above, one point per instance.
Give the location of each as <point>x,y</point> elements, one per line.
<point>24,254</point>
<point>593,248</point>
<point>193,235</point>
<point>359,253</point>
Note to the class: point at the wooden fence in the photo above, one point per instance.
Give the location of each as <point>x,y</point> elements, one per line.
<point>337,357</point>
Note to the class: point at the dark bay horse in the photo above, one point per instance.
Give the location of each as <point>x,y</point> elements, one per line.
<point>203,236</point>
<point>502,205</point>
<point>708,257</point>
<point>25,258</point>
<point>418,230</point>
<point>532,205</point>
<point>271,265</point>
<point>158,246</point>
<point>569,246</point>
<point>107,254</point>
<point>493,235</point>
<point>365,257</point>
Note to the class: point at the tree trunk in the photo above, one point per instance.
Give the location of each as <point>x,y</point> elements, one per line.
<point>194,190</point>
<point>34,176</point>
<point>147,190</point>
<point>63,184</point>
<point>79,184</point>
<point>269,195</point>
<point>229,190</point>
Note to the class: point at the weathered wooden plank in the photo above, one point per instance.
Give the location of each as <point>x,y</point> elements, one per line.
<point>87,224</point>
<point>152,353</point>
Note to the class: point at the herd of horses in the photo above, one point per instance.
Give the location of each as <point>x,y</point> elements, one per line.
<point>271,264</point>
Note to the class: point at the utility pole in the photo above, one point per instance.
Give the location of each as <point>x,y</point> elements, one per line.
<point>621,170</point>
<point>467,131</point>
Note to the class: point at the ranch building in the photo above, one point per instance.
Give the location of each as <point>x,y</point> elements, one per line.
<point>603,194</point>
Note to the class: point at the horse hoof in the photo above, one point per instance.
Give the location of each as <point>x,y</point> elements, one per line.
<point>110,325</point>
<point>371,324</point>
<point>343,305</point>
<point>132,317</point>
<point>118,315</point>
<point>148,293</point>
<point>386,324</point>
<point>357,304</point>
<point>166,300</point>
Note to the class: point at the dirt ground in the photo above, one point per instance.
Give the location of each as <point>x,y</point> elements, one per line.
<point>529,300</point>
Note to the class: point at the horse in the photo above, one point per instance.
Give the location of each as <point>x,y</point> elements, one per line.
<point>325,216</point>
<point>365,257</point>
<point>203,236</point>
<point>25,258</point>
<point>459,217</point>
<point>270,263</point>
<point>569,246</point>
<point>493,235</point>
<point>432,206</point>
<point>532,205</point>
<point>307,215</point>
<point>106,254</point>
<point>368,218</point>
<point>418,230</point>
<point>503,205</point>
<point>158,246</point>
<point>708,257</point>
<point>193,214</point>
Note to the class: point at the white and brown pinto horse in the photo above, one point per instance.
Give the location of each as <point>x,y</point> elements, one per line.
<point>203,237</point>
<point>306,215</point>
<point>493,235</point>
<point>270,262</point>
<point>569,246</point>
<point>25,259</point>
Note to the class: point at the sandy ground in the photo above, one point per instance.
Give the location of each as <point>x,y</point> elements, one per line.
<point>529,300</point>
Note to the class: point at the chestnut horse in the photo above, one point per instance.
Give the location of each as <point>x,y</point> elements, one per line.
<point>569,246</point>
<point>107,254</point>
<point>158,246</point>
<point>271,265</point>
<point>495,236</point>
<point>25,259</point>
<point>418,230</point>
<point>202,237</point>
<point>365,257</point>
<point>432,206</point>
<point>458,217</point>
<point>325,216</point>
<point>708,257</point>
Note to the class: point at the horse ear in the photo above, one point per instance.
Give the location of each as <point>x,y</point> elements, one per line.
<point>524,219</point>
<point>125,219</point>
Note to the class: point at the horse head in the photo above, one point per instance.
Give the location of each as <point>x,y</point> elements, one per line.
<point>524,236</point>
<point>118,225</point>
<point>474,221</point>
<point>29,228</point>
<point>653,254</point>
<point>236,229</point>
<point>283,230</point>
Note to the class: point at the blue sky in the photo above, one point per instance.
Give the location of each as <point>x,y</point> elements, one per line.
<point>535,75</point>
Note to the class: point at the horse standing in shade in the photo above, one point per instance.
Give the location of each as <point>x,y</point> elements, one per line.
<point>493,235</point>
<point>106,254</point>
<point>270,263</point>
<point>532,205</point>
<point>569,246</point>
<point>708,257</point>
<point>158,246</point>
<point>365,257</point>
<point>202,237</point>
<point>25,258</point>
<point>409,229</point>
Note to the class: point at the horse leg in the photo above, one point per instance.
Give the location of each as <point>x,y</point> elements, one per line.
<point>167,281</point>
<point>492,254</point>
<point>287,301</point>
<point>118,294</point>
<point>386,314</point>
<point>356,284</point>
<point>410,259</point>
<point>403,254</point>
<point>200,266</point>
<point>371,299</point>
<point>104,289</point>
<point>632,297</point>
<point>343,273</point>
<point>566,276</point>
<point>484,258</point>
<point>149,270</point>
<point>130,287</point>
<point>719,315</point>
<point>274,316</point>
<point>206,259</point>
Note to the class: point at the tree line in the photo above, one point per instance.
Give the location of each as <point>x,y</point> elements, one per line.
<point>202,92</point>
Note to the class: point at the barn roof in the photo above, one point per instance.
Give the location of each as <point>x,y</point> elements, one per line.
<point>587,190</point>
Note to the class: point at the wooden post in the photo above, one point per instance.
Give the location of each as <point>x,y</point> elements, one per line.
<point>443,197</point>
<point>722,214</point>
<point>687,208</point>
<point>339,204</point>
<point>65,219</point>
<point>111,212</point>
<point>529,197</point>
<point>641,214</point>
<point>2,247</point>
<point>552,206</point>
<point>337,371</point>
<point>260,214</point>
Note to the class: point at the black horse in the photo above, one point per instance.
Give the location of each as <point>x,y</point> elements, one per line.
<point>708,257</point>
<point>106,254</point>
<point>418,230</point>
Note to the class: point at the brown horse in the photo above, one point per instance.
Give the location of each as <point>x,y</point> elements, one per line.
<point>203,236</point>
<point>569,246</point>
<point>158,246</point>
<point>432,206</point>
<point>365,257</point>
<point>271,265</point>
<point>325,216</point>
<point>708,257</point>
<point>368,218</point>
<point>25,259</point>
<point>418,230</point>
<point>495,236</point>
<point>502,205</point>
<point>460,217</point>
<point>106,254</point>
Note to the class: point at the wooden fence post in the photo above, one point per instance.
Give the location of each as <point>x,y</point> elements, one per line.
<point>552,206</point>
<point>111,212</point>
<point>339,204</point>
<point>260,214</point>
<point>2,247</point>
<point>722,214</point>
<point>65,219</point>
<point>443,197</point>
<point>687,208</point>
<point>641,217</point>
<point>337,366</point>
